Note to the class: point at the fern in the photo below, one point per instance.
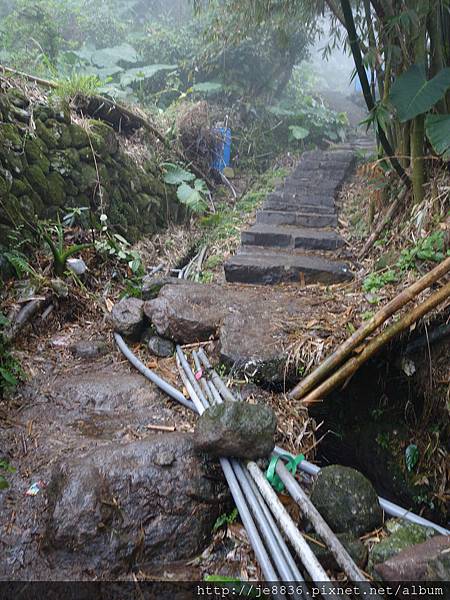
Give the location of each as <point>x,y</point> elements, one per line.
<point>20,263</point>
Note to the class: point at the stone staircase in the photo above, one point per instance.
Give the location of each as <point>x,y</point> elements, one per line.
<point>294,237</point>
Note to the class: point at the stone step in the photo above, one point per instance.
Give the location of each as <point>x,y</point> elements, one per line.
<point>283,217</point>
<point>283,236</point>
<point>326,201</point>
<point>254,265</point>
<point>304,188</point>
<point>277,201</point>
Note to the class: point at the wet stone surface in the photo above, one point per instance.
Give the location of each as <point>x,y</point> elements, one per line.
<point>111,492</point>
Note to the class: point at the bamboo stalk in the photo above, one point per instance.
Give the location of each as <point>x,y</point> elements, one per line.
<point>335,359</point>
<point>389,214</point>
<point>353,364</point>
<point>341,555</point>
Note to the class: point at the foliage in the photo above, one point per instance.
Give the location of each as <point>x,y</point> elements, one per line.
<point>225,519</point>
<point>6,468</point>
<point>411,457</point>
<point>437,128</point>
<point>430,248</point>
<point>412,94</point>
<point>113,245</point>
<point>10,370</point>
<point>375,281</point>
<point>192,196</point>
<point>75,84</point>
<point>53,235</point>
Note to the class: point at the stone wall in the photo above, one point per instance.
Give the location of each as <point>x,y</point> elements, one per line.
<point>47,163</point>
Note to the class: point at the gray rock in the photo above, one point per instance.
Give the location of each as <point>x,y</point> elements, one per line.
<point>354,547</point>
<point>403,534</point>
<point>77,266</point>
<point>429,561</point>
<point>127,317</point>
<point>347,500</point>
<point>236,429</point>
<point>152,284</point>
<point>123,504</point>
<point>160,347</point>
<point>89,348</point>
<point>188,312</point>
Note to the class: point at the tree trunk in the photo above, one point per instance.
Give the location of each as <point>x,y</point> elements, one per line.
<point>418,163</point>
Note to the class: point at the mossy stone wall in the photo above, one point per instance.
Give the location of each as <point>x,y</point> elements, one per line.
<point>50,164</point>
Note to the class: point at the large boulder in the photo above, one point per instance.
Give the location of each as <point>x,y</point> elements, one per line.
<point>347,500</point>
<point>127,317</point>
<point>251,323</point>
<point>151,500</point>
<point>429,561</point>
<point>402,534</point>
<point>236,429</point>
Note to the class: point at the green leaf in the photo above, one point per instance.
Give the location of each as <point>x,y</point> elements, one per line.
<point>207,87</point>
<point>8,377</point>
<point>413,95</point>
<point>438,132</point>
<point>298,133</point>
<point>4,485</point>
<point>142,73</point>
<point>411,456</point>
<point>174,174</point>
<point>191,197</point>
<point>107,57</point>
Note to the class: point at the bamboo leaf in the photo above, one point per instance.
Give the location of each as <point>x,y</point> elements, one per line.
<point>412,94</point>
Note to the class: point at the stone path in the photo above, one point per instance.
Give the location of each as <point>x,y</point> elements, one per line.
<point>294,237</point>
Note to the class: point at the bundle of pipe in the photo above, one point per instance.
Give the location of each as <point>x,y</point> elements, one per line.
<point>249,484</point>
<point>197,261</point>
<point>307,557</point>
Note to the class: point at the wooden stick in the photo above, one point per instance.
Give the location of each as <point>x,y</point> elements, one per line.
<point>341,555</point>
<point>335,359</point>
<point>383,222</point>
<point>161,427</point>
<point>353,364</point>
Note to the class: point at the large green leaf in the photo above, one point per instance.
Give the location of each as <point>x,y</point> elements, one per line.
<point>438,132</point>
<point>141,73</point>
<point>412,94</point>
<point>298,133</point>
<point>174,174</point>
<point>192,197</point>
<point>108,57</point>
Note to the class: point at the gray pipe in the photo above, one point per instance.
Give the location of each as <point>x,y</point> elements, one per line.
<point>265,528</point>
<point>153,377</point>
<point>215,377</point>
<point>190,375</point>
<point>389,507</point>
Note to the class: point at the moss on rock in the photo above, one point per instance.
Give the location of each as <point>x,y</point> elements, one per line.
<point>56,189</point>
<point>46,134</point>
<point>103,137</point>
<point>403,534</point>
<point>9,138</point>
<point>37,180</point>
<point>80,138</point>
<point>21,187</point>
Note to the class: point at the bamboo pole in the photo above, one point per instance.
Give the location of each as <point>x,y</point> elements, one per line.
<point>343,558</point>
<point>335,359</point>
<point>353,364</point>
<point>306,555</point>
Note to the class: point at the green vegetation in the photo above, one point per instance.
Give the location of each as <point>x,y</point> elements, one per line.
<point>430,248</point>
<point>10,370</point>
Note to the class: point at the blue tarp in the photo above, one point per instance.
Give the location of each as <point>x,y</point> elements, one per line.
<point>222,152</point>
